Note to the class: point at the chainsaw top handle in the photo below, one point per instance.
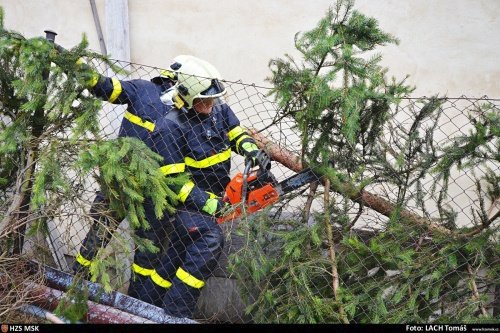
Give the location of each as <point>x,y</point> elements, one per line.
<point>244,189</point>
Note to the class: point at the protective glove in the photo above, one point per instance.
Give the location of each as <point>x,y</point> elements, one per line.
<point>223,208</point>
<point>90,76</point>
<point>259,158</point>
<point>216,207</point>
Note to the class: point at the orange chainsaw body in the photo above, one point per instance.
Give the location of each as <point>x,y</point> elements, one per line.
<point>257,198</point>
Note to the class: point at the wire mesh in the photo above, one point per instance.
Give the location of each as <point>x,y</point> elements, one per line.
<point>272,266</point>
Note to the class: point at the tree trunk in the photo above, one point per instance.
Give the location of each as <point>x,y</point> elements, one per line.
<point>373,201</point>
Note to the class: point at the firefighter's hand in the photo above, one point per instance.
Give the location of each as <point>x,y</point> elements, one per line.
<point>223,208</point>
<point>90,76</point>
<point>215,206</point>
<point>259,158</point>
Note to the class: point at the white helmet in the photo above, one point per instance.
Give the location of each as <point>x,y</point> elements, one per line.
<point>197,79</point>
<point>170,74</point>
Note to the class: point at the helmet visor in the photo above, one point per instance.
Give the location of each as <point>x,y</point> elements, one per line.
<point>216,89</point>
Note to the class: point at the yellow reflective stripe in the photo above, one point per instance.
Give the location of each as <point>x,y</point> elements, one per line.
<point>178,102</point>
<point>209,161</point>
<point>160,281</point>
<point>141,270</point>
<point>189,279</point>
<point>139,122</point>
<point>153,274</point>
<point>212,195</point>
<point>117,89</point>
<point>242,138</point>
<point>185,190</point>
<point>172,168</point>
<point>233,134</point>
<point>210,206</point>
<point>82,261</point>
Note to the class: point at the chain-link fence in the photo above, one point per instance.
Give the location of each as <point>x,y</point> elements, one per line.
<point>363,254</point>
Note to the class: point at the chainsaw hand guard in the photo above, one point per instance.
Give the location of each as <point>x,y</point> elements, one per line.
<point>260,193</point>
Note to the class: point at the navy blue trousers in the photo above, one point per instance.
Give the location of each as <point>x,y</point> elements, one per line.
<point>195,246</point>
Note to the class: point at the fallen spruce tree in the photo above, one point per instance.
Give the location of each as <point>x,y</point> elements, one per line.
<point>383,168</point>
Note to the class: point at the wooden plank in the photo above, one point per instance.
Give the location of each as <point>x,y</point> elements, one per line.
<point>97,23</point>
<point>117,29</point>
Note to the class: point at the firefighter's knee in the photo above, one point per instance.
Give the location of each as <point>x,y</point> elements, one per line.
<point>214,240</point>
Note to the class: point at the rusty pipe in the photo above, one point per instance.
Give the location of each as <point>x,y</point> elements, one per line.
<point>49,298</point>
<point>62,281</point>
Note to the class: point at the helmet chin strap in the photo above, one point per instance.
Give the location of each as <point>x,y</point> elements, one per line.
<point>171,97</point>
<point>179,103</point>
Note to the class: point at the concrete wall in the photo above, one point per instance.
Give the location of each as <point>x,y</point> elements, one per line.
<point>447,46</point>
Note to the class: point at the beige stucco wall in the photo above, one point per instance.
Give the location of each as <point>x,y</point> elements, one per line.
<point>447,46</point>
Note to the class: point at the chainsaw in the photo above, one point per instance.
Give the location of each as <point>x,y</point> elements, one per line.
<point>254,190</point>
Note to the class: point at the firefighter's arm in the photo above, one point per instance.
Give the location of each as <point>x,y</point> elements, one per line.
<point>243,144</point>
<point>209,203</point>
<point>168,143</point>
<point>111,89</point>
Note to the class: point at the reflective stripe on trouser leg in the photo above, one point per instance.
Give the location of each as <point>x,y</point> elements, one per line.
<point>82,260</point>
<point>99,235</point>
<point>160,281</point>
<point>147,285</point>
<point>202,240</point>
<point>142,286</point>
<point>189,279</point>
<point>151,272</point>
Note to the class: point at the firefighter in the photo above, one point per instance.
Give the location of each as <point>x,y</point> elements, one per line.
<point>109,89</point>
<point>194,134</point>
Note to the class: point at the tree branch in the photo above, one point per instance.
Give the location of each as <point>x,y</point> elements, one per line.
<point>310,197</point>
<point>373,201</point>
<point>331,249</point>
<point>485,225</point>
<point>475,292</point>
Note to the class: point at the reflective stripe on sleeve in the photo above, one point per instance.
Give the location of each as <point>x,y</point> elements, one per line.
<point>172,168</point>
<point>189,279</point>
<point>209,161</point>
<point>235,132</point>
<point>117,90</point>
<point>82,261</point>
<point>139,122</point>
<point>185,190</point>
